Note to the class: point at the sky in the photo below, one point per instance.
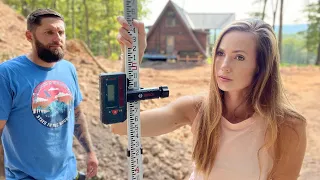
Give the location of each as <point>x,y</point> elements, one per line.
<point>292,9</point>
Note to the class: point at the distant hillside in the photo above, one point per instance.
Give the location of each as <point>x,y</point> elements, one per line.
<point>292,28</point>
<point>286,30</point>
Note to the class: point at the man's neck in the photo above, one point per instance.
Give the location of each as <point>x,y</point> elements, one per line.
<point>35,59</point>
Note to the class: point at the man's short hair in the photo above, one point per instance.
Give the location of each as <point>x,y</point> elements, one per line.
<point>34,18</point>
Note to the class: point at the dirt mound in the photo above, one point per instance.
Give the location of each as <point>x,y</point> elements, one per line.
<point>75,49</point>
<point>12,36</point>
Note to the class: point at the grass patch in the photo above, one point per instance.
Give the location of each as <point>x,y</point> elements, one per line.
<point>209,60</point>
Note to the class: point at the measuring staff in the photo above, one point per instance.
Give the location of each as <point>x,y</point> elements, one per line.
<point>120,96</point>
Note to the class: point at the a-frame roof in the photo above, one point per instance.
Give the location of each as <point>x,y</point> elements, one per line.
<point>184,23</point>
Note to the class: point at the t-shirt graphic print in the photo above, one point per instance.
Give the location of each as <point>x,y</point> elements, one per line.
<point>51,103</point>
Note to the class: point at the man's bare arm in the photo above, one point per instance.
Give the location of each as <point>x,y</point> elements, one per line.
<point>81,131</point>
<point>2,124</point>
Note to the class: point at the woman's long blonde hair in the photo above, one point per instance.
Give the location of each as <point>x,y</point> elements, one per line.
<point>266,97</point>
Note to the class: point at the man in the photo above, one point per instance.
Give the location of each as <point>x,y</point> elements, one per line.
<point>40,107</point>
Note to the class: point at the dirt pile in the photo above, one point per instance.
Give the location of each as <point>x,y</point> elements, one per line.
<point>167,156</point>
<point>12,37</point>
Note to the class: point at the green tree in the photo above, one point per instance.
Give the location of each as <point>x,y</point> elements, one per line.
<point>92,21</point>
<point>312,34</point>
<point>294,50</point>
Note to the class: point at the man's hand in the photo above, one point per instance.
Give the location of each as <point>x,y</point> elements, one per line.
<point>125,39</point>
<point>92,165</point>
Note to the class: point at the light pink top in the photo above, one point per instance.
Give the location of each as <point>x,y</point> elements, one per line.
<point>237,157</point>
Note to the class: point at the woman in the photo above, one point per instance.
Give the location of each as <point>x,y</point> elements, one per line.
<point>243,129</point>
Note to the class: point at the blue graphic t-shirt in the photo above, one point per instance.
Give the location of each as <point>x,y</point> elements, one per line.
<point>38,104</point>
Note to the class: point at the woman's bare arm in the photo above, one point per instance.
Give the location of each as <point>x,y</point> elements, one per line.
<point>165,119</point>
<point>294,147</point>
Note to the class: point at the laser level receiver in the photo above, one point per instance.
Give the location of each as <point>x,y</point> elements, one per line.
<point>114,96</point>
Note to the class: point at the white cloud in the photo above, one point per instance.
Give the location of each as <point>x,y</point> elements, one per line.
<point>53,89</point>
<point>40,100</point>
<point>61,94</point>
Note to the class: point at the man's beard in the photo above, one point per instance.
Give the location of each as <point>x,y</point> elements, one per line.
<point>48,55</point>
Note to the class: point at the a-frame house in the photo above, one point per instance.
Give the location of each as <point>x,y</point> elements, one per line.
<point>179,35</point>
